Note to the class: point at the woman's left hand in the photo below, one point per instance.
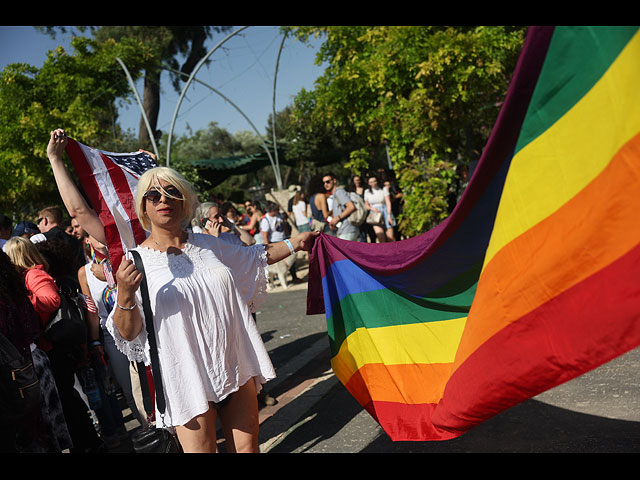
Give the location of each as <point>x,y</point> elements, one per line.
<point>306,240</point>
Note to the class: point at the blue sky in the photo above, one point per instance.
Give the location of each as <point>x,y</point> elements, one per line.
<point>243,70</point>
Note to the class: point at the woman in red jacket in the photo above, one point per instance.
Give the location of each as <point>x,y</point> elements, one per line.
<point>41,287</point>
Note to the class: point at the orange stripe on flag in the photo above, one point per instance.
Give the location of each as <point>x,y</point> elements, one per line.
<point>593,229</point>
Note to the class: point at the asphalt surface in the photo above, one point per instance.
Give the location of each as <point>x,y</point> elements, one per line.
<point>598,412</point>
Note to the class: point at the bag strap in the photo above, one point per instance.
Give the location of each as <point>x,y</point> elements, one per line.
<point>151,337</point>
<point>146,391</point>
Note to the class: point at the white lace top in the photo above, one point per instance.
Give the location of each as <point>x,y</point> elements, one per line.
<point>208,343</point>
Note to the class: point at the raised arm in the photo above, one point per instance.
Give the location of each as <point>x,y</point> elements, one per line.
<point>71,196</point>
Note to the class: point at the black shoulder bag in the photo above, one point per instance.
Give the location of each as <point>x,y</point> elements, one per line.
<point>152,439</point>
<point>68,326</point>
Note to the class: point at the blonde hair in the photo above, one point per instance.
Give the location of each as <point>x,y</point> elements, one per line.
<point>24,254</point>
<point>151,178</point>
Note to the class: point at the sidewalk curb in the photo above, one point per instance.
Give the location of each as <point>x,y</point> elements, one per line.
<point>301,393</point>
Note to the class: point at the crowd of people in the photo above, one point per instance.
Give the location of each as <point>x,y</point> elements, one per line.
<point>327,205</point>
<point>206,268</point>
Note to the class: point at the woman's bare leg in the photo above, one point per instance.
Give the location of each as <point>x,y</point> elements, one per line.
<point>239,419</point>
<point>199,434</point>
<point>379,234</point>
<point>390,235</point>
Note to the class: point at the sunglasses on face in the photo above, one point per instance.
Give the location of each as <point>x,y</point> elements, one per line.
<point>154,195</point>
<point>327,181</point>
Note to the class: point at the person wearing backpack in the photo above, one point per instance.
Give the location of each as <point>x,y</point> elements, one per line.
<point>343,207</point>
<point>356,187</point>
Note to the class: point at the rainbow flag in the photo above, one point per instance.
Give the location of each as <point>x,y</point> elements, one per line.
<point>533,279</point>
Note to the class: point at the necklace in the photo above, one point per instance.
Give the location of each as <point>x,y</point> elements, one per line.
<point>183,240</point>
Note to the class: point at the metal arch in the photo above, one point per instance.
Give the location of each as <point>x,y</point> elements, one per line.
<point>275,165</point>
<point>255,129</point>
<point>273,116</point>
<point>184,90</point>
<point>144,114</point>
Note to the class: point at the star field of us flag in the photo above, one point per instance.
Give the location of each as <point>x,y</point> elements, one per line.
<point>110,180</point>
<point>532,280</point>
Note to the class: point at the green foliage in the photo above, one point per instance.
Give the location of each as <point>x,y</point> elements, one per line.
<point>427,186</point>
<point>431,93</point>
<point>75,92</point>
<point>359,161</point>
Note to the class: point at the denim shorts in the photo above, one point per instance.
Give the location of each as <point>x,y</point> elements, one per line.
<point>385,215</point>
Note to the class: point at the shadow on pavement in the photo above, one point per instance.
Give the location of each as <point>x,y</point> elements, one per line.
<point>531,427</point>
<point>282,354</point>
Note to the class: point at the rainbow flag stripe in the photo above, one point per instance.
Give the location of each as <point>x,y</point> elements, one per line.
<point>531,281</point>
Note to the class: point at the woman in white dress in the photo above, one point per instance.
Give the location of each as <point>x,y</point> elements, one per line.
<point>299,208</point>
<point>379,200</point>
<point>202,290</point>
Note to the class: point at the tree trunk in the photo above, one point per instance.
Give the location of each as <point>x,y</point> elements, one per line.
<point>151,103</point>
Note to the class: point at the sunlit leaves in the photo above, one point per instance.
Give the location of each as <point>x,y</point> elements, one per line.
<point>431,92</point>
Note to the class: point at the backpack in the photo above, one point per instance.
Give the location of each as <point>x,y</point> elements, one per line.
<point>68,326</point>
<point>359,215</point>
<point>19,384</point>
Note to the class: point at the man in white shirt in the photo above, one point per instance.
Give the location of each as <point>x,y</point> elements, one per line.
<point>273,226</point>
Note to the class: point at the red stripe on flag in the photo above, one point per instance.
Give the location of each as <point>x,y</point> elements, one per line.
<point>85,173</point>
<point>553,344</point>
<point>96,186</point>
<point>94,191</point>
<point>90,186</point>
<point>126,196</point>
<point>407,422</point>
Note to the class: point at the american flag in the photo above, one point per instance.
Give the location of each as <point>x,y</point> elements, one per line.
<point>110,181</point>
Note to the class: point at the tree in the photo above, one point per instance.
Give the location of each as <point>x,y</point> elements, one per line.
<point>431,94</point>
<point>76,92</point>
<point>164,44</point>
<point>313,144</point>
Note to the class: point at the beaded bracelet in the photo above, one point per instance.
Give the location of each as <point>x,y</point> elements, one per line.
<point>291,249</point>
